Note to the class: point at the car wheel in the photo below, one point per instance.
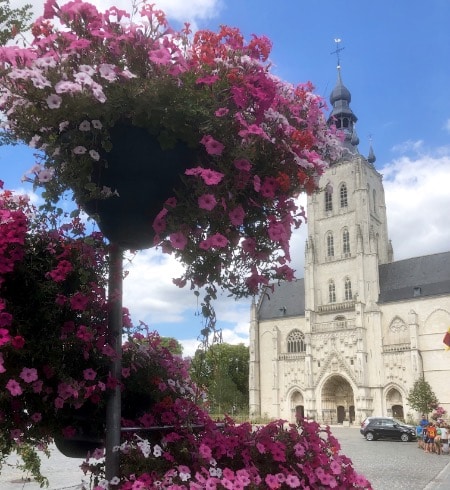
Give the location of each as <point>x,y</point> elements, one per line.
<point>404,437</point>
<point>369,436</point>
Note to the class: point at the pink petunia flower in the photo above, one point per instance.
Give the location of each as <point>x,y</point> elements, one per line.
<point>218,241</point>
<point>211,177</point>
<point>36,417</point>
<point>18,342</point>
<point>222,111</point>
<point>160,56</point>
<point>14,387</point>
<point>89,374</point>
<point>29,375</point>
<point>237,215</point>
<point>79,302</point>
<point>178,240</point>
<point>54,101</point>
<point>212,146</point>
<point>4,336</point>
<point>243,164</point>
<point>207,201</point>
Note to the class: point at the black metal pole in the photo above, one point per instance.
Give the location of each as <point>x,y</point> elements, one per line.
<point>113,408</point>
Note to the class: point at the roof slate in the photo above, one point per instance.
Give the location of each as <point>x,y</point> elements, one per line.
<point>287,299</point>
<point>413,278</point>
<point>428,275</point>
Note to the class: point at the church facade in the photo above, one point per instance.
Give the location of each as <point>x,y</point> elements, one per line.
<point>349,339</point>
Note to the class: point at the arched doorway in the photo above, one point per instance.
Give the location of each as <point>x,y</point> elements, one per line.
<point>298,406</point>
<point>394,404</point>
<point>337,401</point>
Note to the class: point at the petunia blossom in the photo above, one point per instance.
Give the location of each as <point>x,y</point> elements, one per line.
<point>54,101</point>
<point>29,374</point>
<point>212,146</point>
<point>207,201</point>
<point>14,387</point>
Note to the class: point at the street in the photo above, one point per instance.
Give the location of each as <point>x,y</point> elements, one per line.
<point>386,464</point>
<point>390,464</point>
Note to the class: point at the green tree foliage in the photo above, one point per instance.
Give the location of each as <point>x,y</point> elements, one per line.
<point>173,345</point>
<point>13,20</point>
<point>421,397</point>
<point>223,371</point>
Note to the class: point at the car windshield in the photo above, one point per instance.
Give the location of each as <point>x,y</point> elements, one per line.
<point>397,421</point>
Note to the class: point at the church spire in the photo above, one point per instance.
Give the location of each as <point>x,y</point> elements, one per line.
<point>341,115</point>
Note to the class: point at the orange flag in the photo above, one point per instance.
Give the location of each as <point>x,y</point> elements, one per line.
<point>446,339</point>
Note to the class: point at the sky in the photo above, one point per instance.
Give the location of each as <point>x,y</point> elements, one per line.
<point>396,63</point>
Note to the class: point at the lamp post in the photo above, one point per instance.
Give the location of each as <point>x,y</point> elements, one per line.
<point>115,320</point>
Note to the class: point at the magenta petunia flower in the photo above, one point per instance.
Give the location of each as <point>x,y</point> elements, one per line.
<point>160,56</point>
<point>218,241</point>
<point>29,375</point>
<point>237,215</point>
<point>207,201</point>
<point>18,342</point>
<point>14,387</point>
<point>243,164</point>
<point>4,336</point>
<point>178,240</point>
<point>79,302</point>
<point>212,146</point>
<point>36,417</point>
<point>89,374</point>
<point>211,177</point>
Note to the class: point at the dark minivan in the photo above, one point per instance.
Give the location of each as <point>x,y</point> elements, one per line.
<point>387,428</point>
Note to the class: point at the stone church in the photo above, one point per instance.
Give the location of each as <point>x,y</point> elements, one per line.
<point>349,339</point>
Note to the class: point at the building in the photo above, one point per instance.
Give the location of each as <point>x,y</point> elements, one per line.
<point>349,340</point>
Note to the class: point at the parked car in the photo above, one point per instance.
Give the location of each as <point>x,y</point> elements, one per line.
<point>387,428</point>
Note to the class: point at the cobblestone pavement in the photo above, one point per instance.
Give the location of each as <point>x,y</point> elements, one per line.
<point>63,474</point>
<point>395,465</point>
<point>387,465</point>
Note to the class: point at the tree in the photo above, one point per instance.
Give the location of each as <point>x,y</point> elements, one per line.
<point>421,397</point>
<point>173,345</point>
<point>13,20</point>
<point>223,370</point>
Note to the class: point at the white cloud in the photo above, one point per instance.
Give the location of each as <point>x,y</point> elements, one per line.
<point>179,10</point>
<point>417,203</point>
<point>408,146</point>
<point>447,125</point>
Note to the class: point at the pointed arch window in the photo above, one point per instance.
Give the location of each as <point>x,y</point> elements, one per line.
<point>374,194</point>
<point>348,289</point>
<point>331,292</point>
<point>343,196</point>
<point>328,200</point>
<point>330,245</point>
<point>296,342</point>
<point>345,242</point>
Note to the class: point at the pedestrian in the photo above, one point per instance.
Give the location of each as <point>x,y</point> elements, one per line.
<point>444,438</point>
<point>431,434</point>
<point>437,440</point>
<point>423,422</point>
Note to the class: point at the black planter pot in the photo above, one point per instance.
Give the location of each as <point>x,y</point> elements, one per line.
<point>79,446</point>
<point>144,175</point>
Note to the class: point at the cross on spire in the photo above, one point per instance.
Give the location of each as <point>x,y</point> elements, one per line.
<point>338,50</point>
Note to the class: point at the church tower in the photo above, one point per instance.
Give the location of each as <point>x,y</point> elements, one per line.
<point>347,225</point>
<point>347,241</point>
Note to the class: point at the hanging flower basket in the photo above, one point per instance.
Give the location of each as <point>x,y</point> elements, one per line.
<point>258,141</point>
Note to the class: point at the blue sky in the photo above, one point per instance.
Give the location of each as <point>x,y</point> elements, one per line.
<point>395,62</point>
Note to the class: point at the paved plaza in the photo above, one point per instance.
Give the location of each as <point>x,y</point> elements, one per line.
<point>386,464</point>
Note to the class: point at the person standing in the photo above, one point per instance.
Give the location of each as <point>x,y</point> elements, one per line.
<point>431,434</point>
<point>444,438</point>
